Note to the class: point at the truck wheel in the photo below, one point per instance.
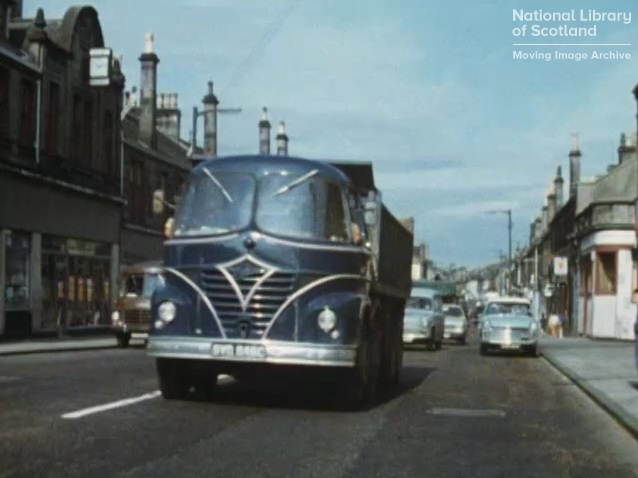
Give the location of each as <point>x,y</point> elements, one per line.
<point>123,340</point>
<point>204,383</point>
<point>483,349</point>
<point>174,379</point>
<point>361,385</point>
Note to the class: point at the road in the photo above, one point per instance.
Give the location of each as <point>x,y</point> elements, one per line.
<point>456,414</point>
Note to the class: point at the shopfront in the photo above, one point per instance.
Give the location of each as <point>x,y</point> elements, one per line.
<point>17,281</point>
<point>76,283</point>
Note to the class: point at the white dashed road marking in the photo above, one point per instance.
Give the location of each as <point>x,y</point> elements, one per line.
<point>466,412</point>
<point>125,402</point>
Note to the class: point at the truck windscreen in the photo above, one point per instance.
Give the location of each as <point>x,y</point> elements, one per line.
<point>215,204</point>
<point>307,207</point>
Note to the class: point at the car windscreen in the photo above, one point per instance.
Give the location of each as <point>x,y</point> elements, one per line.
<point>305,206</point>
<point>454,312</point>
<point>507,308</point>
<point>424,303</point>
<point>215,203</point>
<point>151,281</point>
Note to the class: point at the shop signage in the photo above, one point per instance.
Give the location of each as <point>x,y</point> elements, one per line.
<point>560,266</point>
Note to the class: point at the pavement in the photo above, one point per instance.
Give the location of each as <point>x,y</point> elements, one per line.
<point>61,345</point>
<point>604,369</point>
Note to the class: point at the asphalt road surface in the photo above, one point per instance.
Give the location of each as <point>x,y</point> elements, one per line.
<point>456,414</point>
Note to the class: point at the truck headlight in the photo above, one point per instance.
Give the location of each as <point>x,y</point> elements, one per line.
<point>327,319</point>
<point>166,311</point>
<point>115,316</point>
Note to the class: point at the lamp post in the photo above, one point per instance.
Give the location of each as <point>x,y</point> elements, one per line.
<point>509,235</point>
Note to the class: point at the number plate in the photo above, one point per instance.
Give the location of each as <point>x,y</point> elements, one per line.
<point>245,351</point>
<point>510,346</point>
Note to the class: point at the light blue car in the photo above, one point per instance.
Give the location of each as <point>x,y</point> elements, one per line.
<point>424,320</point>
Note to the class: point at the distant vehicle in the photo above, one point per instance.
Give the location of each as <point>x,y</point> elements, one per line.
<point>509,331</point>
<point>456,323</point>
<point>132,312</point>
<point>424,322</point>
<point>505,305</point>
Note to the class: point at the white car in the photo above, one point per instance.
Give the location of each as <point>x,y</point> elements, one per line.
<point>423,320</point>
<point>456,324</point>
<point>507,324</point>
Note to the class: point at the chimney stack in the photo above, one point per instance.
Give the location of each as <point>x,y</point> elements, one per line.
<point>558,188</point>
<point>264,133</point>
<point>282,140</point>
<point>544,217</point>
<point>626,150</point>
<point>551,204</point>
<point>574,166</point>
<point>210,102</point>
<point>148,94</point>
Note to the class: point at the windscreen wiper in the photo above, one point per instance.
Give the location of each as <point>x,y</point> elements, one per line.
<point>296,182</point>
<point>219,185</point>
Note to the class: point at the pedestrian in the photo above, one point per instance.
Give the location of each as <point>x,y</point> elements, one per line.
<point>543,322</point>
<point>554,323</point>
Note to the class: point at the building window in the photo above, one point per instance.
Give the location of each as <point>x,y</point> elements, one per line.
<point>76,134</point>
<point>109,159</point>
<point>53,117</point>
<point>88,133</point>
<point>4,103</point>
<point>606,273</point>
<point>27,114</point>
<point>16,292</point>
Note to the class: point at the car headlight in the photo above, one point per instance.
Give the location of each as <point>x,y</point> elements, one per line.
<point>115,316</point>
<point>166,311</point>
<point>533,327</point>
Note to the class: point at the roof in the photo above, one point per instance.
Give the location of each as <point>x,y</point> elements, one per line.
<point>168,149</point>
<point>262,164</point>
<point>423,292</point>
<point>507,299</point>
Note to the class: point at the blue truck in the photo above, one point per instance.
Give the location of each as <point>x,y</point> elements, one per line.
<point>281,264</point>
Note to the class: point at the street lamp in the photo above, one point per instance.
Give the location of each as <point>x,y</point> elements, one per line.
<point>509,231</point>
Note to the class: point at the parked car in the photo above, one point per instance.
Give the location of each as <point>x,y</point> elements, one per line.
<point>132,312</point>
<point>456,323</point>
<point>423,321</point>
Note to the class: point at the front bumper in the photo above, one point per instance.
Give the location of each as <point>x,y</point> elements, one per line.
<point>508,340</point>
<point>454,333</point>
<point>131,329</point>
<point>252,351</point>
<point>413,337</point>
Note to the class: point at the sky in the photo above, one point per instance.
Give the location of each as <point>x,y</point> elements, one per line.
<point>428,91</point>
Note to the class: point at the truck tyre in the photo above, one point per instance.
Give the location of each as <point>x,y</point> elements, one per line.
<point>483,349</point>
<point>431,344</point>
<point>123,340</point>
<point>174,379</point>
<point>360,386</point>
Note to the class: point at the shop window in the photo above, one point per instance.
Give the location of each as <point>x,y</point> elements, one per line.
<point>16,291</point>
<point>606,273</point>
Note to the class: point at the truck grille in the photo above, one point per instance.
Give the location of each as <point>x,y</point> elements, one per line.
<point>137,317</point>
<point>261,308</point>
